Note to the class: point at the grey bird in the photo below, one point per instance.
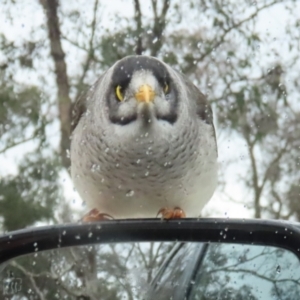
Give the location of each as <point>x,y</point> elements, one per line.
<point>143,143</point>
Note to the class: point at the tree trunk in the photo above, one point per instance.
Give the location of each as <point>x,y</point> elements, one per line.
<point>58,56</point>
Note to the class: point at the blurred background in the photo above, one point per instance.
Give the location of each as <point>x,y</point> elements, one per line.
<point>244,55</point>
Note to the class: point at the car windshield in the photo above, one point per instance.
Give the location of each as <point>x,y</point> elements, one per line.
<point>154,271</point>
<point>228,271</point>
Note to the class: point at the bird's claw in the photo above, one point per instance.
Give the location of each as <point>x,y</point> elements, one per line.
<point>94,215</point>
<point>171,213</point>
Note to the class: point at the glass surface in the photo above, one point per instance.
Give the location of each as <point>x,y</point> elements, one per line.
<point>247,272</point>
<point>153,271</point>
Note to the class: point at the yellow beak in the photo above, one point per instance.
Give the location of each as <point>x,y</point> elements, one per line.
<point>145,94</point>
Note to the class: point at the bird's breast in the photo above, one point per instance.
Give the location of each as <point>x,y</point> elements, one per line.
<point>146,173</point>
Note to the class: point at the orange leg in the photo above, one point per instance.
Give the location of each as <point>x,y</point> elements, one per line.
<point>94,215</point>
<point>171,213</point>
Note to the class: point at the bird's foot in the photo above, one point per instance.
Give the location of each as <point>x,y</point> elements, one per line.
<point>171,213</point>
<point>94,215</point>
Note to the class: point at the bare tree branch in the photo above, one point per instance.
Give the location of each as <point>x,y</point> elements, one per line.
<point>236,25</point>
<point>31,279</point>
<point>158,26</point>
<point>90,50</point>
<point>12,145</point>
<point>58,56</point>
<point>138,21</point>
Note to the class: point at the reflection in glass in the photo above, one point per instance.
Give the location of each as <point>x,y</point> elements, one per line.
<point>247,272</point>
<point>158,270</point>
<point>113,271</point>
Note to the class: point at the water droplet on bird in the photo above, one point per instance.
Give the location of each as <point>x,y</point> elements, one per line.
<point>147,173</point>
<point>68,153</point>
<point>278,269</point>
<point>106,150</point>
<point>138,161</point>
<point>130,193</point>
<point>95,167</point>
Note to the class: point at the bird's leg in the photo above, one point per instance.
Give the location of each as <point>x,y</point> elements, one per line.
<point>171,213</point>
<point>94,215</point>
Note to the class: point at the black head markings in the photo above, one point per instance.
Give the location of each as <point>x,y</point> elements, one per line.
<point>126,67</point>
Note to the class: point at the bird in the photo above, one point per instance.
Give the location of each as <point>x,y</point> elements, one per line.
<point>143,143</point>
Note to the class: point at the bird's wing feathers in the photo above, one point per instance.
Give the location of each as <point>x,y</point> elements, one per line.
<point>79,107</point>
<point>202,106</point>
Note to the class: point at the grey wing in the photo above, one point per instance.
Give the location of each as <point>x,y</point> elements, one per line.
<point>202,106</point>
<point>79,107</point>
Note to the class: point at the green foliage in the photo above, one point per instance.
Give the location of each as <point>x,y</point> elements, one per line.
<point>219,52</point>
<point>31,195</point>
<point>115,46</point>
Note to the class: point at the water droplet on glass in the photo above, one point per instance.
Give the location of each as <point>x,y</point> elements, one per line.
<point>147,173</point>
<point>154,41</point>
<point>130,193</point>
<point>278,269</point>
<point>94,168</point>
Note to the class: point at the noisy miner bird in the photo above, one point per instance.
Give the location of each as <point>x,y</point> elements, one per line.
<point>143,143</point>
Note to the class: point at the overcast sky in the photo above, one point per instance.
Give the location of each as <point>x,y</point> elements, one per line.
<point>28,14</point>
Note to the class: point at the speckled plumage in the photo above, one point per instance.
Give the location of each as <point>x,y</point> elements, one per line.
<point>135,169</point>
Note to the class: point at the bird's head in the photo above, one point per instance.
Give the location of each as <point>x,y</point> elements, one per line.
<point>141,91</point>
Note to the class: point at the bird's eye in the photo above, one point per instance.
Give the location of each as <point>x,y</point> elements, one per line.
<point>119,93</point>
<point>166,88</point>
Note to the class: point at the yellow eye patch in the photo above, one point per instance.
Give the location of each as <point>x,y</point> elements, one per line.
<point>119,93</point>
<point>166,88</point>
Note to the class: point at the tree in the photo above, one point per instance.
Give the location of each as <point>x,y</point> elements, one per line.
<point>254,99</point>
<point>48,60</point>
